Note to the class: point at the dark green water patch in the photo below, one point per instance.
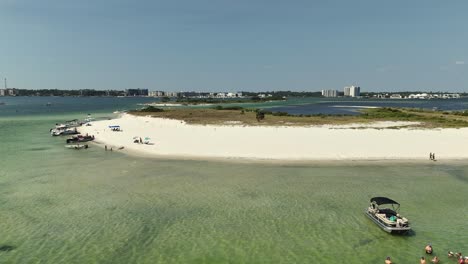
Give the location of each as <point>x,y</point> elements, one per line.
<point>6,248</point>
<point>39,149</point>
<point>364,242</point>
<point>457,173</point>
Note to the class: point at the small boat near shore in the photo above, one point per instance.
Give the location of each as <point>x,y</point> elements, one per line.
<point>63,131</point>
<point>80,138</point>
<point>384,212</point>
<point>77,146</point>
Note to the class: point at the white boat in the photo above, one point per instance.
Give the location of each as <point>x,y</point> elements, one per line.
<point>63,132</point>
<point>387,218</point>
<point>73,123</point>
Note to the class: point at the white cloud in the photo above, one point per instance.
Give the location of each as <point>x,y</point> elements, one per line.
<point>460,62</point>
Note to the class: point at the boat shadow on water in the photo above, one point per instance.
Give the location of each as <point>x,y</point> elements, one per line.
<point>6,248</point>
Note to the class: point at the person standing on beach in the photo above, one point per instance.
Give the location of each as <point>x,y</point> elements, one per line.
<point>433,156</point>
<point>105,147</point>
<point>430,155</point>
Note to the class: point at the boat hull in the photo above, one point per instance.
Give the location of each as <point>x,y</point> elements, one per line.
<point>80,140</point>
<point>386,228</point>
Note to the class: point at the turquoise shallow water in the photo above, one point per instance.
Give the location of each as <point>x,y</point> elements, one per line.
<point>65,206</point>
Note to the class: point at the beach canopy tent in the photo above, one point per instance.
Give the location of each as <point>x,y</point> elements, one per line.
<point>383,200</point>
<point>114,126</point>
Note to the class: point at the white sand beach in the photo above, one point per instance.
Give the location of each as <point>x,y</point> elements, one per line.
<point>173,138</point>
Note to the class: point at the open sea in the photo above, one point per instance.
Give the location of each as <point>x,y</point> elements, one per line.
<point>65,206</point>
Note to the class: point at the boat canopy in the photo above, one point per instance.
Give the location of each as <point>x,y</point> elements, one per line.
<point>383,200</point>
<point>114,126</point>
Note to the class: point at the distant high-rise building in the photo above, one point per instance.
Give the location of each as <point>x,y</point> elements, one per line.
<point>352,91</point>
<point>2,92</point>
<point>347,91</point>
<point>156,93</point>
<point>355,91</point>
<point>329,93</point>
<point>171,94</point>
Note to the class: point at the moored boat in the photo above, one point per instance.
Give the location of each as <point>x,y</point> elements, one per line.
<point>80,138</point>
<point>384,212</point>
<point>63,131</point>
<point>73,123</point>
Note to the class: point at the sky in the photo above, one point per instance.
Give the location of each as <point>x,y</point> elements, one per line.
<point>235,45</point>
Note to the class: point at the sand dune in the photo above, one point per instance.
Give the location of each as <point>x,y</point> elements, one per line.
<point>176,138</point>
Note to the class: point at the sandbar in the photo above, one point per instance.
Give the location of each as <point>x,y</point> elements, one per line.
<point>376,141</point>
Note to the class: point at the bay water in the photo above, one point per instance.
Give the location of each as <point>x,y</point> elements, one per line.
<point>65,206</point>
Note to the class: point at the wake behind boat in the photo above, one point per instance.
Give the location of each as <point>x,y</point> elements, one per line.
<point>387,218</point>
<point>77,146</point>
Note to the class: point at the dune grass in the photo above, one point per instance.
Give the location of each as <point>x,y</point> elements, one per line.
<point>220,115</point>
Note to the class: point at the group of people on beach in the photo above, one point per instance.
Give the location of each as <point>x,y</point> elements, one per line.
<point>429,250</point>
<point>432,156</point>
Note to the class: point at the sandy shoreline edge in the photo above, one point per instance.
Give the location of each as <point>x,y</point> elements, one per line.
<point>174,139</point>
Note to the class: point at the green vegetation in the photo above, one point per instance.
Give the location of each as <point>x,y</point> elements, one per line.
<point>165,99</point>
<point>151,109</point>
<point>462,113</point>
<point>221,115</point>
<point>219,107</point>
<point>388,113</point>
